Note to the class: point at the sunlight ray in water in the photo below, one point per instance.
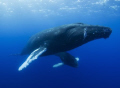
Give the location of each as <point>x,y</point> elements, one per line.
<point>58,7</point>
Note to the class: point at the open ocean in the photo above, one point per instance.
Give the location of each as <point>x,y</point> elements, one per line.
<point>99,65</point>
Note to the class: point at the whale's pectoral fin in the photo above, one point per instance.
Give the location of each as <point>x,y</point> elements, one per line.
<point>33,56</point>
<point>67,59</point>
<point>58,65</point>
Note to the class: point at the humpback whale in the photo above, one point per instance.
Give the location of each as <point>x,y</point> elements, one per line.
<point>58,40</point>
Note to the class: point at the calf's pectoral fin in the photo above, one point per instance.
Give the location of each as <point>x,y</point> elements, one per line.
<point>67,59</point>
<point>33,56</point>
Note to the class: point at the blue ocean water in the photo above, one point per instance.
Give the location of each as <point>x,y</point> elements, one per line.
<point>99,65</point>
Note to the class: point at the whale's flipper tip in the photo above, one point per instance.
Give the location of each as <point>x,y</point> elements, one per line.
<point>57,65</point>
<point>77,58</point>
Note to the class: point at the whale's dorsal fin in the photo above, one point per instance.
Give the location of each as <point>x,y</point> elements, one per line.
<point>33,56</point>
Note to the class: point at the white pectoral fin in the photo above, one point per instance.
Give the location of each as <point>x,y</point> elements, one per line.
<point>61,64</point>
<point>58,65</point>
<point>33,56</point>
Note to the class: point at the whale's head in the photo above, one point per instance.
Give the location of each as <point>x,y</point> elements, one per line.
<point>96,32</point>
<point>91,32</point>
<point>106,31</point>
<point>82,33</point>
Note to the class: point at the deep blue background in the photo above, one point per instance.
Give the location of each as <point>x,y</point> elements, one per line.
<point>99,65</point>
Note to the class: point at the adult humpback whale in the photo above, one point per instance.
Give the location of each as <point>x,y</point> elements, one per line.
<point>58,40</point>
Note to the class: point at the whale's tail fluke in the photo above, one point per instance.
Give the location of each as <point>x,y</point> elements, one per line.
<point>67,59</point>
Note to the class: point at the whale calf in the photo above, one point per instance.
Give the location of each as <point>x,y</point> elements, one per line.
<point>58,40</point>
